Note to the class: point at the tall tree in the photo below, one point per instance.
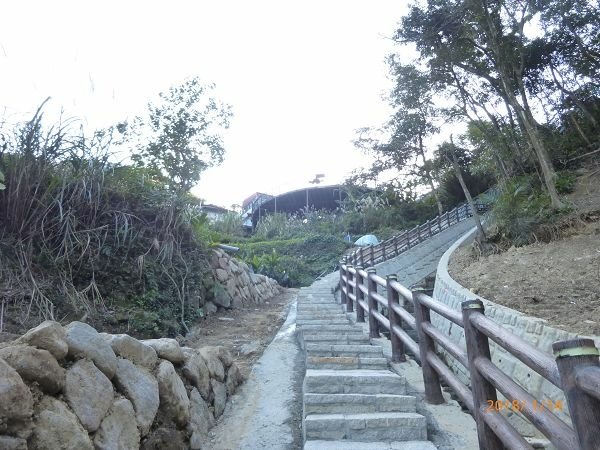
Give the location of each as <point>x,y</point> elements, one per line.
<point>181,134</point>
<point>485,39</point>
<point>409,129</point>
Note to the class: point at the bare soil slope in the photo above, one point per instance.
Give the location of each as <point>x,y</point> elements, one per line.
<point>558,281</point>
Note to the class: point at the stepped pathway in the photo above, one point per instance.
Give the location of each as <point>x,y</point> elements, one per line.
<point>351,401</point>
<point>421,260</point>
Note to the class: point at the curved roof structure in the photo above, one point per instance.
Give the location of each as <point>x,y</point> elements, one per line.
<point>318,197</point>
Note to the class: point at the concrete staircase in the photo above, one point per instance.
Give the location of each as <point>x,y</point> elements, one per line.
<point>351,401</point>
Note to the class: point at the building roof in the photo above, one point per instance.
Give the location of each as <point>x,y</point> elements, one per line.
<point>214,208</point>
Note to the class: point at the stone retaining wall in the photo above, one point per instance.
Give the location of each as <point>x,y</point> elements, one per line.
<point>236,285</point>
<point>74,388</point>
<point>534,330</point>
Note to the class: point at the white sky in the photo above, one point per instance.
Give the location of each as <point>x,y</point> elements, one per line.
<point>301,76</point>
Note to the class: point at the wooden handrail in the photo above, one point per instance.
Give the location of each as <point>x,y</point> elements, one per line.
<point>575,370</point>
<point>531,356</point>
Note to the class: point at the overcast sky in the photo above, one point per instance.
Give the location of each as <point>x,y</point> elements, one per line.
<point>301,76</point>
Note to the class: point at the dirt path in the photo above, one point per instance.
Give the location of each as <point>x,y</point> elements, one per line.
<point>245,332</point>
<point>266,411</point>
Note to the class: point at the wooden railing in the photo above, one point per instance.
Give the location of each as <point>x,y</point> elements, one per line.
<point>574,367</point>
<point>392,247</point>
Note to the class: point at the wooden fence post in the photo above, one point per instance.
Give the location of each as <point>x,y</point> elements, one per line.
<point>372,288</point>
<point>349,301</point>
<point>362,258</point>
<point>342,283</point>
<point>448,217</point>
<point>396,245</point>
<point>372,260</point>
<point>572,357</point>
<point>478,347</point>
<point>433,390</point>
<point>393,298</point>
<point>429,228</point>
<point>382,252</point>
<point>439,223</point>
<point>360,295</point>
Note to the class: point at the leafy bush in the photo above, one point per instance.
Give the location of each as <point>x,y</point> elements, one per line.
<point>295,262</point>
<point>520,208</point>
<point>565,182</point>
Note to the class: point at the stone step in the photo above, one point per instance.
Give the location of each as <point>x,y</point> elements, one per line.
<point>393,426</point>
<point>358,381</point>
<point>321,316</point>
<point>317,306</point>
<point>345,363</point>
<point>317,302</point>
<point>353,445</point>
<point>339,339</point>
<point>319,349</point>
<point>335,309</point>
<point>347,328</point>
<point>302,322</point>
<point>357,403</point>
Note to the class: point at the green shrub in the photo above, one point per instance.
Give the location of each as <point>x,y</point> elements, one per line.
<point>565,182</point>
<point>520,208</point>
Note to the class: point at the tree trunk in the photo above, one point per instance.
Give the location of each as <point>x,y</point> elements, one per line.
<point>458,172</point>
<point>430,178</point>
<point>523,111</point>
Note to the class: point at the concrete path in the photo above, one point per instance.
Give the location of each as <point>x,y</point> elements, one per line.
<point>421,260</point>
<point>261,415</point>
<point>351,400</point>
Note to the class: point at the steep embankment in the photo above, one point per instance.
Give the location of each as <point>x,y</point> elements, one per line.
<point>558,281</point>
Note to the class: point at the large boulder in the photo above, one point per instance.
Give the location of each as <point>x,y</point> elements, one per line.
<point>48,335</point>
<point>165,439</point>
<point>36,366</point>
<point>16,401</point>
<point>220,397</point>
<point>221,298</point>
<point>214,364</point>
<point>221,274</point>
<point>141,388</point>
<point>220,352</point>
<point>196,371</point>
<point>85,342</point>
<point>210,308</point>
<point>174,401</point>
<point>133,350</point>
<point>119,429</point>
<point>89,393</point>
<point>57,427</point>
<point>201,420</point>
<point>12,443</point>
<point>166,348</point>
<point>234,379</point>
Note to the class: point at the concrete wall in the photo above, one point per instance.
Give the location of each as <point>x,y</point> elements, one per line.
<point>532,329</point>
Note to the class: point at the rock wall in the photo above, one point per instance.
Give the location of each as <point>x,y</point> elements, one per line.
<point>236,285</point>
<point>74,388</point>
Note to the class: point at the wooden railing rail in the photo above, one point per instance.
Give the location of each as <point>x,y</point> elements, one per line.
<point>574,367</point>
<point>394,246</point>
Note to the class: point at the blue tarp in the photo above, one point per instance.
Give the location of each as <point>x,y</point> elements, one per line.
<point>367,239</point>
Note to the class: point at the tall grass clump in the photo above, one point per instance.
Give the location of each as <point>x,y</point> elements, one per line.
<point>83,238</point>
<point>522,211</point>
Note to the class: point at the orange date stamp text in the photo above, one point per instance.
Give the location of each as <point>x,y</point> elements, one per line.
<point>520,405</point>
